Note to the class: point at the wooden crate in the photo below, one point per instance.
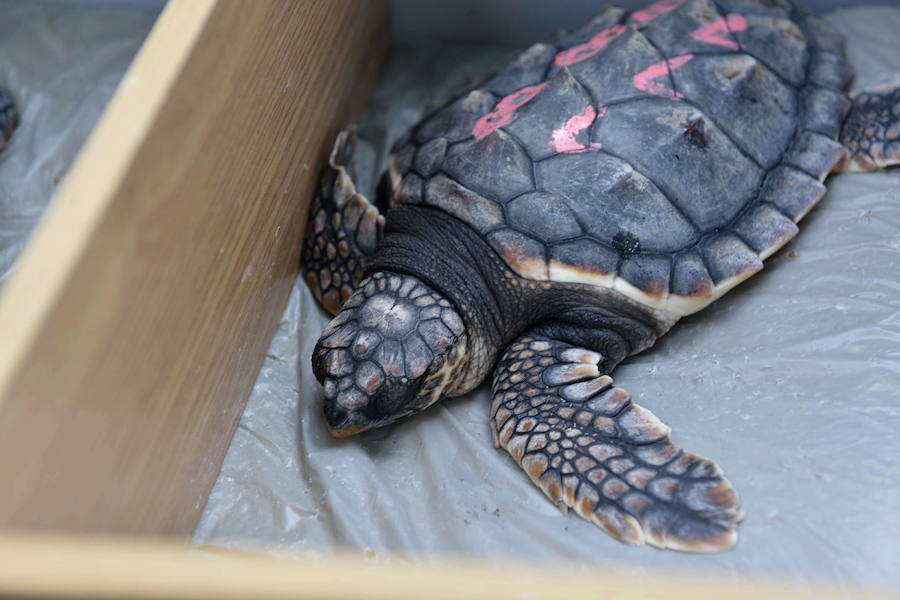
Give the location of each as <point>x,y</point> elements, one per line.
<point>140,313</point>
<point>67,568</point>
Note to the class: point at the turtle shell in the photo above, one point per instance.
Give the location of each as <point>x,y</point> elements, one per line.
<point>663,153</point>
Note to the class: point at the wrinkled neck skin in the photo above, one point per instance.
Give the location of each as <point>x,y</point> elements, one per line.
<point>497,305</point>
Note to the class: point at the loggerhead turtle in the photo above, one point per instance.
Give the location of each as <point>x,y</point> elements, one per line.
<point>9,118</point>
<point>562,216</point>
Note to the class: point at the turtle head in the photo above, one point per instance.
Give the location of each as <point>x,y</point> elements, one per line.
<point>396,347</point>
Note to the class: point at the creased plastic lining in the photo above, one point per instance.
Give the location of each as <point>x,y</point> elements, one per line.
<point>790,382</point>
<point>61,63</point>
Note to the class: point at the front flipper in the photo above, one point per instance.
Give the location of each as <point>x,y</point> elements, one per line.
<point>871,132</point>
<point>588,447</point>
<point>344,229</point>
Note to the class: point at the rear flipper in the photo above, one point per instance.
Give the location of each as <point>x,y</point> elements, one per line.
<point>588,447</point>
<point>343,230</point>
<point>871,132</point>
<point>9,118</point>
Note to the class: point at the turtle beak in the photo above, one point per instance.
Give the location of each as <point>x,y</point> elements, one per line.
<point>340,423</point>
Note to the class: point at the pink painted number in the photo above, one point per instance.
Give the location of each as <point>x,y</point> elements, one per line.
<point>584,51</point>
<point>656,10</point>
<point>563,139</point>
<point>646,79</point>
<point>718,31</point>
<point>505,111</point>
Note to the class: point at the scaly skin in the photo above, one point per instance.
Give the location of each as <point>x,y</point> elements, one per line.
<point>871,132</point>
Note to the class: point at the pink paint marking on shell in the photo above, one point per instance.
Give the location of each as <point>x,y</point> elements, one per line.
<point>656,10</point>
<point>505,111</point>
<point>718,31</point>
<point>563,139</point>
<point>645,80</point>
<point>584,51</point>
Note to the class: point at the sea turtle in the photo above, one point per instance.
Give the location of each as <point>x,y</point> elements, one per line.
<point>9,118</point>
<point>563,215</point>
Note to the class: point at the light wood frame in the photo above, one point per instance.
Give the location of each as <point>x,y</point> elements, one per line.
<point>53,568</point>
<point>139,316</point>
<point>140,313</point>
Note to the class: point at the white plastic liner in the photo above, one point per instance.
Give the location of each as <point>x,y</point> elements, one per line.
<point>790,382</point>
<point>62,63</point>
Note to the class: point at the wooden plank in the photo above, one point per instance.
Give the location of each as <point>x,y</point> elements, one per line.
<point>141,311</point>
<point>62,568</point>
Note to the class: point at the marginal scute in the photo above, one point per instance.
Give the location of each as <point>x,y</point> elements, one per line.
<point>814,154</point>
<point>729,259</point>
<point>822,110</point>
<point>765,229</point>
<point>792,191</point>
<point>522,253</point>
<point>829,69</point>
<point>820,34</point>
<point>690,278</point>
<point>476,165</point>
<point>476,210</point>
<point>583,260</point>
<point>778,42</point>
<point>649,273</point>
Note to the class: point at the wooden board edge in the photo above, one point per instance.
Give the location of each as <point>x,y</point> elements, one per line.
<point>60,238</point>
<point>142,309</point>
<point>55,567</point>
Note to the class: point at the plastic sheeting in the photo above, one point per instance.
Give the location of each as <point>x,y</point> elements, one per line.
<point>790,383</point>
<point>62,64</point>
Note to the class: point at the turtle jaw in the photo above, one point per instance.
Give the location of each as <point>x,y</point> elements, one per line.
<point>343,424</point>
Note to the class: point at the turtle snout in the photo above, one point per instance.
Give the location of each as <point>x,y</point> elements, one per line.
<point>335,416</point>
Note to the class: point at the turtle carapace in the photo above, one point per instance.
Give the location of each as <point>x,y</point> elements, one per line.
<point>562,216</point>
